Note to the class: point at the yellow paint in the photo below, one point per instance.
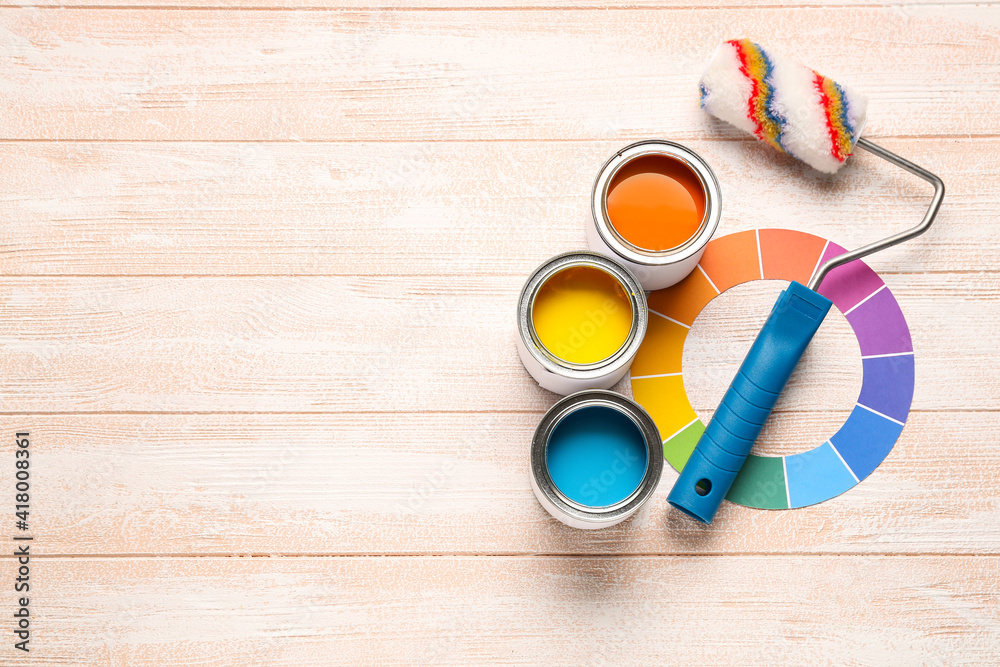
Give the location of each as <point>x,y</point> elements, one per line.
<point>582,315</point>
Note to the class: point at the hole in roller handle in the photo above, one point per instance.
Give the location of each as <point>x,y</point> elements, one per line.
<point>723,447</point>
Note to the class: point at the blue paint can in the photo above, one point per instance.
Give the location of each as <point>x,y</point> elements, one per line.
<point>596,458</point>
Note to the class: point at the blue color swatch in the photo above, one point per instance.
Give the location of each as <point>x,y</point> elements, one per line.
<point>596,456</point>
<point>816,475</point>
<point>865,440</point>
<point>888,385</point>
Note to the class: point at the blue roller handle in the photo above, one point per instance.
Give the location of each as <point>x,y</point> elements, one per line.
<point>725,444</point>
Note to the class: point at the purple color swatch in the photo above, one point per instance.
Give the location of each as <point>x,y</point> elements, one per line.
<point>880,326</point>
<point>849,284</point>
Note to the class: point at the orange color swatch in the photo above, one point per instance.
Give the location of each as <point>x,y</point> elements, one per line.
<point>731,260</point>
<point>683,301</point>
<point>789,255</point>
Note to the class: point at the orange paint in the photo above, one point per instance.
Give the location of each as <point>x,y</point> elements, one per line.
<point>656,203</point>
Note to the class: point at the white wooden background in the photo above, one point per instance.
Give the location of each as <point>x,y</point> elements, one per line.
<point>258,265</point>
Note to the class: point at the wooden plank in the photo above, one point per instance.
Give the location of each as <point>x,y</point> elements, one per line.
<point>457,484</point>
<point>705,7</point>
<point>408,344</point>
<point>437,208</point>
<point>378,611</point>
<point>379,76</point>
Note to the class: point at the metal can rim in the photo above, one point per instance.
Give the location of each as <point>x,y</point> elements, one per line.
<point>697,164</point>
<point>654,456</point>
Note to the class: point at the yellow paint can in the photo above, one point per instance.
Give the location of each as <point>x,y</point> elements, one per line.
<point>581,319</point>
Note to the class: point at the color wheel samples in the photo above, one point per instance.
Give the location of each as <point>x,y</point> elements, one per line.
<point>874,425</point>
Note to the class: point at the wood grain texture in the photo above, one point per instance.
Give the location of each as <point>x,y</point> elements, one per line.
<point>458,484</point>
<point>561,611</point>
<point>460,75</point>
<point>402,344</point>
<point>904,9</point>
<point>438,208</point>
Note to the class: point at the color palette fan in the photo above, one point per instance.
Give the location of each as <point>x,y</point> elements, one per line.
<point>875,423</point>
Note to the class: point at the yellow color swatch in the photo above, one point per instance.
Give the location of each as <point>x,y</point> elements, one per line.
<point>582,315</point>
<point>662,349</point>
<point>666,402</point>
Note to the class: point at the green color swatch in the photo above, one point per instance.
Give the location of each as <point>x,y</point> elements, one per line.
<point>761,483</point>
<point>678,448</point>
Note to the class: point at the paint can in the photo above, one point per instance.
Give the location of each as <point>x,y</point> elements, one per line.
<point>655,205</point>
<point>596,458</point>
<point>581,318</point>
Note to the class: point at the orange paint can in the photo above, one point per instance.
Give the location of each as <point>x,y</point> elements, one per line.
<point>656,204</point>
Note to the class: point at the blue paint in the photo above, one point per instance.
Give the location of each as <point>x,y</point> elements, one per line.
<point>596,456</point>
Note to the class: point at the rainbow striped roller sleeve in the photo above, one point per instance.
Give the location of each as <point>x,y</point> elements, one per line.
<point>784,104</point>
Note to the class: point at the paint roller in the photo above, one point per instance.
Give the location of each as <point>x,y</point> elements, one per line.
<point>818,121</point>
